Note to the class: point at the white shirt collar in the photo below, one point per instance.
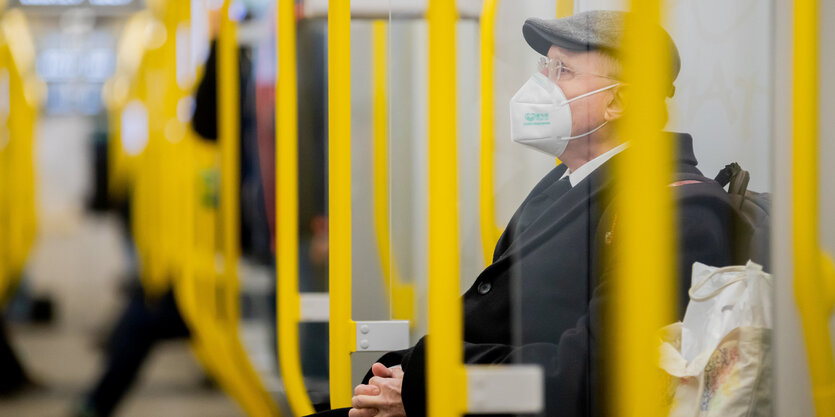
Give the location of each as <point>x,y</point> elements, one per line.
<point>581,173</point>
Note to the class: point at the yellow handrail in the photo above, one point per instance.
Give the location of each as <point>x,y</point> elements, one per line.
<point>446,394</point>
<point>565,8</point>
<point>23,100</point>
<point>228,137</point>
<point>253,396</point>
<point>401,295</point>
<point>22,91</point>
<point>5,197</point>
<point>342,329</point>
<point>644,275</point>
<point>125,86</point>
<point>287,211</point>
<point>146,207</point>
<point>184,287</point>
<point>6,176</point>
<point>170,190</point>
<point>810,289</point>
<point>489,231</point>
<point>188,254</point>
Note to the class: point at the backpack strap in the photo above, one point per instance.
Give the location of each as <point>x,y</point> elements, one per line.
<point>725,174</point>
<point>736,179</point>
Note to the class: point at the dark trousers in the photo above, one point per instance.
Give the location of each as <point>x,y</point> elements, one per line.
<point>12,376</point>
<point>141,326</point>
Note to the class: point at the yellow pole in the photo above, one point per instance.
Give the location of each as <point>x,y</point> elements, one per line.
<point>167,196</point>
<point>6,175</point>
<point>228,129</point>
<point>446,390</point>
<point>33,104</point>
<point>810,289</point>
<point>287,211</point>
<point>15,145</point>
<point>342,329</point>
<point>184,286</point>
<point>226,288</point>
<point>147,216</point>
<point>565,8</point>
<point>252,395</point>
<point>489,231</point>
<point>401,295</point>
<point>644,276</point>
<point>174,154</point>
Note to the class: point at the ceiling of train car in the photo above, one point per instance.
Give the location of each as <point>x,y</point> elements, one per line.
<point>58,6</point>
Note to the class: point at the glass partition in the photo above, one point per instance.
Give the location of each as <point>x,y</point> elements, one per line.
<point>552,287</point>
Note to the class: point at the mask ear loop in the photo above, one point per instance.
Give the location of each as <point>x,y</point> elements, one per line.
<point>583,96</point>
<point>587,133</point>
<point>591,93</point>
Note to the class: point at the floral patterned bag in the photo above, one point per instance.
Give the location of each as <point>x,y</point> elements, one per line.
<point>719,357</point>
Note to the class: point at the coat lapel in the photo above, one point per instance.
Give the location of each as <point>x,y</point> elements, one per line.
<point>561,210</point>
<point>509,234</point>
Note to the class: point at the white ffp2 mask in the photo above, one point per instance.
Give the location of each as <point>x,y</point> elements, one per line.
<point>540,116</point>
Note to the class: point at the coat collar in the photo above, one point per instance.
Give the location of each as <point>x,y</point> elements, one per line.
<point>685,156</point>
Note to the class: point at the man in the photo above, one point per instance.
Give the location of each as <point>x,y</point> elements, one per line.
<point>551,255</point>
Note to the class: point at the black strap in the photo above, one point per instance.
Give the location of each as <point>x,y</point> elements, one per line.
<point>726,174</point>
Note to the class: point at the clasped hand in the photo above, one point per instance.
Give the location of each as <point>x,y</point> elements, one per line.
<point>381,396</point>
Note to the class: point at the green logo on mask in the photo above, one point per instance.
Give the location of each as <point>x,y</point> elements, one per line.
<point>533,119</point>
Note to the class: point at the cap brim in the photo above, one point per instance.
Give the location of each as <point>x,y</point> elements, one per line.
<point>541,34</point>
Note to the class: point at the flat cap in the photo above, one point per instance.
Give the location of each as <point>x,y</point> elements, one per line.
<point>585,31</point>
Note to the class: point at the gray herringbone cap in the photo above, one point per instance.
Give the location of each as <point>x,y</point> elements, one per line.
<point>585,31</point>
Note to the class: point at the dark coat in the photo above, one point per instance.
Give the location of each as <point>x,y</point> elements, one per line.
<point>552,262</point>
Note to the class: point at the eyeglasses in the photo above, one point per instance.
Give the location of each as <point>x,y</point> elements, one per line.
<point>556,70</point>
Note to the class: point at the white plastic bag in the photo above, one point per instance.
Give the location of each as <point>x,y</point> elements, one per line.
<point>722,299</point>
<point>719,356</point>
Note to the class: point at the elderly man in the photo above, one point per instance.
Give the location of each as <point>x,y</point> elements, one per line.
<point>551,255</point>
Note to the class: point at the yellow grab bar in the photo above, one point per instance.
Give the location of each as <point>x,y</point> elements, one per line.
<point>253,396</point>
<point>5,273</point>
<point>401,295</point>
<point>810,289</point>
<point>489,231</point>
<point>446,394</point>
<point>6,175</point>
<point>287,211</point>
<point>644,281</point>
<point>228,137</point>
<point>342,329</point>
<point>565,8</point>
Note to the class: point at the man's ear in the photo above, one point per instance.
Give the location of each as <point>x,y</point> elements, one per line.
<point>616,104</point>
